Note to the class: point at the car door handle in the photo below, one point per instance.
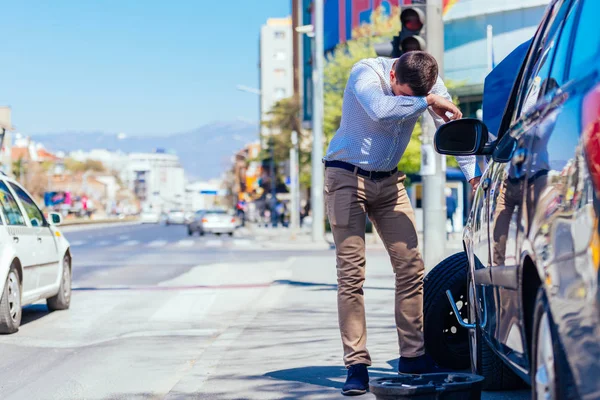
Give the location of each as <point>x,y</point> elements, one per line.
<point>16,239</point>
<point>39,240</point>
<point>519,157</point>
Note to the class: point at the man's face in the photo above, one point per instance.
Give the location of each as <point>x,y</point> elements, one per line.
<point>399,89</point>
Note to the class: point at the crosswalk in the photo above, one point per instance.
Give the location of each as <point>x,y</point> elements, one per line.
<point>163,243</point>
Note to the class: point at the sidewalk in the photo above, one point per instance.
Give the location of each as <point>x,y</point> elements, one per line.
<point>285,239</point>
<point>286,345</point>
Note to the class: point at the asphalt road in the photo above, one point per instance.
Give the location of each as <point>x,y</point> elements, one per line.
<point>156,314</point>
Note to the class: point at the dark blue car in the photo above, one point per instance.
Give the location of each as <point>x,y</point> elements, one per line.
<point>525,303</point>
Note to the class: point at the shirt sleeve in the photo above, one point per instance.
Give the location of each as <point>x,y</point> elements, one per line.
<point>468,164</point>
<point>366,86</point>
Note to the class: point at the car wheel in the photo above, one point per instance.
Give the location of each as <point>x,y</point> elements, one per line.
<point>10,303</point>
<point>551,378</point>
<point>190,231</point>
<point>445,340</point>
<point>484,362</point>
<point>230,233</point>
<point>62,300</point>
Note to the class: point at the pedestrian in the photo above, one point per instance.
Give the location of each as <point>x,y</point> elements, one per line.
<point>450,208</point>
<point>382,101</point>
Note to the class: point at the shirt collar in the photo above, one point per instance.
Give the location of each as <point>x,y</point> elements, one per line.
<point>386,64</point>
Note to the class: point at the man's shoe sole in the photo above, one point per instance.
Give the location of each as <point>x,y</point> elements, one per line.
<point>354,392</point>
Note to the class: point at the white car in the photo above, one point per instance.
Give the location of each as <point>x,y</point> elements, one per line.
<point>35,258</point>
<point>176,217</point>
<point>150,217</point>
<point>213,221</point>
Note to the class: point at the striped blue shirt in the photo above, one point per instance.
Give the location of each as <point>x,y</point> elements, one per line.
<point>376,126</point>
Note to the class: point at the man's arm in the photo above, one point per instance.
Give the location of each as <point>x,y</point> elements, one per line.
<point>367,87</point>
<point>467,164</point>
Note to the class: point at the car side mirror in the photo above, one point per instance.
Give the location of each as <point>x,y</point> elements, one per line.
<point>463,137</point>
<point>55,218</point>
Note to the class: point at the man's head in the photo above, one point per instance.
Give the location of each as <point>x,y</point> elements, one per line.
<point>414,74</point>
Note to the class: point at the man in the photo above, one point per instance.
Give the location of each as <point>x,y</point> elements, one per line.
<point>382,101</point>
<point>450,207</point>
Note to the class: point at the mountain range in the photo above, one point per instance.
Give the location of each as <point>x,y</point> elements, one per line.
<point>204,152</point>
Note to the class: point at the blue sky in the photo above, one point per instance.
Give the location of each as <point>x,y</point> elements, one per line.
<point>138,67</point>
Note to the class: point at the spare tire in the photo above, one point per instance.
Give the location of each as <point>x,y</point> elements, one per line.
<point>445,340</point>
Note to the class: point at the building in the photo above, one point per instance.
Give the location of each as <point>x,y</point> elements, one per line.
<point>205,195</point>
<point>5,139</point>
<point>112,160</point>
<point>276,64</point>
<point>467,60</point>
<point>157,179</point>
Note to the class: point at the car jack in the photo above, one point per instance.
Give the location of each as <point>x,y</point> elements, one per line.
<point>457,312</point>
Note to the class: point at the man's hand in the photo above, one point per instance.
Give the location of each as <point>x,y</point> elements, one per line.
<point>441,106</point>
<point>475,182</point>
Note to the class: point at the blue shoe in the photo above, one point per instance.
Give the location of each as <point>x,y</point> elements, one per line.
<point>419,365</point>
<point>357,382</point>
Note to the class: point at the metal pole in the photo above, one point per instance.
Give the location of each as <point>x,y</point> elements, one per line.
<point>273,187</point>
<point>490,48</point>
<point>434,179</point>
<point>295,203</point>
<point>318,213</point>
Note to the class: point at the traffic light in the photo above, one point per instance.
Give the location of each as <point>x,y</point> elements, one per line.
<point>412,19</point>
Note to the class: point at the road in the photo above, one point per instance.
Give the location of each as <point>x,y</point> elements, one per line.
<point>156,314</point>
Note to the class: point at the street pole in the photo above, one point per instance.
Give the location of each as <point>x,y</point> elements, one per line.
<point>273,187</point>
<point>433,173</point>
<point>295,203</point>
<point>318,214</point>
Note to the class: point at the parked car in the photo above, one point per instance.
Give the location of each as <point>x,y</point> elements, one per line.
<point>212,221</point>
<point>176,217</point>
<point>35,258</point>
<point>525,302</point>
<point>149,217</point>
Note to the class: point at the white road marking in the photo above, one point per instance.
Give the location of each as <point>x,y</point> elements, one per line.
<point>185,306</point>
<point>78,243</point>
<point>214,243</point>
<point>242,242</point>
<point>185,243</point>
<point>103,243</point>
<point>131,243</point>
<point>123,237</point>
<point>157,243</point>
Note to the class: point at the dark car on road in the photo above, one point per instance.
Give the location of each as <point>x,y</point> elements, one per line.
<point>525,303</point>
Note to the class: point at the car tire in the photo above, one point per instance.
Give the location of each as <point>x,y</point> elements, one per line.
<point>190,231</point>
<point>230,234</point>
<point>552,379</point>
<point>445,340</point>
<point>10,303</point>
<point>201,233</point>
<point>62,300</point>
<point>484,361</point>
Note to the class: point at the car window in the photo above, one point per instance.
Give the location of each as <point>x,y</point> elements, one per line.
<point>587,40</point>
<point>216,212</point>
<point>563,51</point>
<point>540,59</point>
<point>11,209</point>
<point>33,212</point>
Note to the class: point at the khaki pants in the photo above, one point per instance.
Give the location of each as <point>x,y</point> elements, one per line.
<point>349,198</point>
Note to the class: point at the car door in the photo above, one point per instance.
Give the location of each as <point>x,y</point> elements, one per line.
<point>47,259</point>
<point>516,174</point>
<point>23,243</point>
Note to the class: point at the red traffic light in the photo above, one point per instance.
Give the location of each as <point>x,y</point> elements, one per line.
<point>412,19</point>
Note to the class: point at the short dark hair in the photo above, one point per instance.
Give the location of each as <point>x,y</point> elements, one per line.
<point>419,70</point>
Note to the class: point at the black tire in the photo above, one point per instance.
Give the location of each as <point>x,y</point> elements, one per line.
<point>62,300</point>
<point>230,234</point>
<point>190,231</point>
<point>445,340</point>
<point>10,303</point>
<point>485,362</point>
<point>201,233</point>
<point>562,386</point>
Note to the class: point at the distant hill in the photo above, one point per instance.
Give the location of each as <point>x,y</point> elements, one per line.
<point>205,152</point>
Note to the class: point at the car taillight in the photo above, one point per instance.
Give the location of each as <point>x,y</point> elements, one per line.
<point>232,219</point>
<point>591,134</point>
<point>204,220</point>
